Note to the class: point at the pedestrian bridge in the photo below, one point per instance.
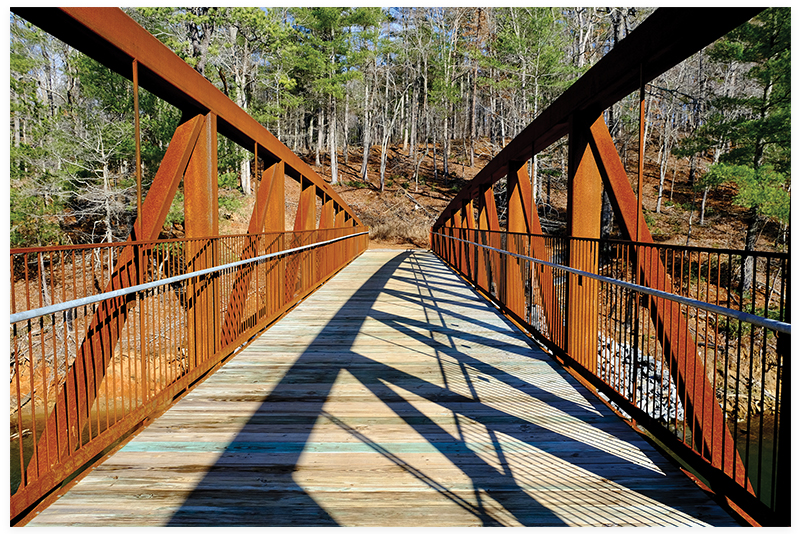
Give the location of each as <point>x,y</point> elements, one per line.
<point>505,377</point>
<point>394,395</point>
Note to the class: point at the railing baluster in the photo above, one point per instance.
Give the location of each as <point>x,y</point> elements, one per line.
<point>153,337</point>
<point>649,382</point>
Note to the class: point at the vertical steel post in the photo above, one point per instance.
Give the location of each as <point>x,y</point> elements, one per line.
<point>672,328</point>
<point>95,352</point>
<point>202,215</point>
<point>137,229</point>
<point>490,222</point>
<point>482,268</point>
<point>584,203</point>
<point>519,214</point>
<point>137,135</point>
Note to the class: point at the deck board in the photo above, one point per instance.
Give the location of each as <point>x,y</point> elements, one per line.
<point>393,396</point>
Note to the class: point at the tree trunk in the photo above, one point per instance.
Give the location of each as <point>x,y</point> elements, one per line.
<point>310,138</point>
<point>472,112</point>
<point>108,215</point>
<point>435,174</point>
<point>366,133</point>
<point>346,147</point>
<point>244,171</point>
<point>446,149</point>
<point>384,143</point>
<point>703,207</point>
<point>661,175</point>
<point>16,122</point>
<point>332,137</point>
<point>754,224</point>
<point>672,183</point>
<point>492,124</point>
<point>404,120</point>
<point>43,281</point>
<point>320,137</point>
<point>413,111</point>
<point>666,145</point>
<point>48,71</point>
<point>502,131</point>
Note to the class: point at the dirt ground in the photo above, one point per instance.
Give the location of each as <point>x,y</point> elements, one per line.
<point>402,214</point>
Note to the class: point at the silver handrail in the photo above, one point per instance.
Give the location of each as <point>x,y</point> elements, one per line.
<point>713,308</point>
<point>85,301</point>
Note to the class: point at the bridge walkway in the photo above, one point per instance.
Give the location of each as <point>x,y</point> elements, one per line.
<point>393,396</point>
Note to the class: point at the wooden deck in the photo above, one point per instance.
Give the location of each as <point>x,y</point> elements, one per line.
<point>393,396</point>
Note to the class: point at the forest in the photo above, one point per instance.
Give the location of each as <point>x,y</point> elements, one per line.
<point>402,102</point>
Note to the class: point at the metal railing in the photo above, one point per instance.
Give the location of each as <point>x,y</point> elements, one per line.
<point>691,343</point>
<point>161,314</point>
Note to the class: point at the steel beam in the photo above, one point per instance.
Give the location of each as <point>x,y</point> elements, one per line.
<point>518,189</point>
<point>267,189</point>
<point>584,203</point>
<point>537,249</point>
<point>482,265</point>
<point>71,412</point>
<point>488,221</point>
<point>201,212</point>
<point>304,222</point>
<point>711,435</point>
<point>660,42</point>
<point>468,234</point>
<point>458,230</point>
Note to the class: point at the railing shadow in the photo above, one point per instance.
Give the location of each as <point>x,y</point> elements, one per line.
<point>252,482</point>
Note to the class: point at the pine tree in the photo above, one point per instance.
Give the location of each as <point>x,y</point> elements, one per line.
<point>753,125</point>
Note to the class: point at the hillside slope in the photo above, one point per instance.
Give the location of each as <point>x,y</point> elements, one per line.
<point>403,213</point>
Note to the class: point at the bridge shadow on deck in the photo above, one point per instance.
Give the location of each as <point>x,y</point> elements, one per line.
<point>253,481</point>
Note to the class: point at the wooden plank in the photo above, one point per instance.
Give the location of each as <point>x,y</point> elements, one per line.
<point>379,403</point>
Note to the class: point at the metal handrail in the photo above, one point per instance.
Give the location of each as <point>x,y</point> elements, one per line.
<point>63,306</point>
<point>660,246</point>
<point>728,312</point>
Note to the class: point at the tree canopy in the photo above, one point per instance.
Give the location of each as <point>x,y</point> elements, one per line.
<point>339,82</point>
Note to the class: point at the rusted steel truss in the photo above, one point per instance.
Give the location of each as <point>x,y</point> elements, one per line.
<point>660,42</point>
<point>112,38</point>
<point>663,40</point>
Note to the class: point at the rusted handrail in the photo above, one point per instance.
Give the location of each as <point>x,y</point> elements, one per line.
<point>87,301</point>
<point>739,315</point>
<point>174,328</point>
<point>742,355</point>
<point>70,397</point>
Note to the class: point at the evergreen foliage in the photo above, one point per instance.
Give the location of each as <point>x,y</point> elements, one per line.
<point>750,125</point>
<point>344,82</point>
